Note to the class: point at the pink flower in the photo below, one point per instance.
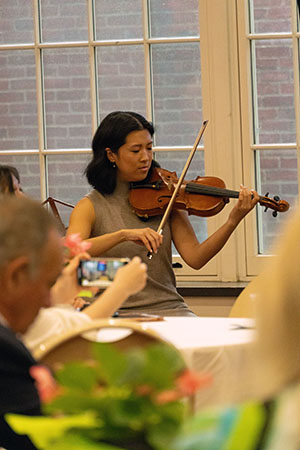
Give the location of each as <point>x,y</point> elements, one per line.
<point>75,244</point>
<point>167,396</point>
<point>189,382</point>
<point>186,384</point>
<point>45,383</point>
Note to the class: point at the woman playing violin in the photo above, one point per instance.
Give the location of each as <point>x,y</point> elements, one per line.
<point>122,154</point>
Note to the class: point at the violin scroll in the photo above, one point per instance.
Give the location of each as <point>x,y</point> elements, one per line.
<point>274,203</point>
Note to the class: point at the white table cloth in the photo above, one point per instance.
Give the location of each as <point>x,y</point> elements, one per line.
<point>218,346</point>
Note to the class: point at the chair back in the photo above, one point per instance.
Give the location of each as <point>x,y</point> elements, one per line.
<point>75,344</point>
<point>245,304</point>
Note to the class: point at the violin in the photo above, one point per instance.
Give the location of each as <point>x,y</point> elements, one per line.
<point>203,196</point>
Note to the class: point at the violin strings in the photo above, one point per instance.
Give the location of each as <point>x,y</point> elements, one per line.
<point>210,190</point>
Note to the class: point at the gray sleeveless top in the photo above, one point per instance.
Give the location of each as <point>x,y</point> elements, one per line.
<point>113,212</point>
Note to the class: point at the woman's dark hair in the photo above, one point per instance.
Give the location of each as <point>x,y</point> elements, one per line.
<point>112,133</point>
<point>6,181</point>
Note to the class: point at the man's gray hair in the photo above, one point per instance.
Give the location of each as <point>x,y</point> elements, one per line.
<point>24,229</point>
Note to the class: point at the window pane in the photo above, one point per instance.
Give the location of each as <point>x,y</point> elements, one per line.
<point>177,93</point>
<point>276,174</point>
<point>29,171</point>
<point>270,17</point>
<point>64,20</point>
<point>117,19</point>
<point>175,161</point>
<point>18,110</point>
<point>275,92</point>
<point>66,180</point>
<point>16,22</point>
<point>67,98</point>
<point>174,18</point>
<point>121,79</point>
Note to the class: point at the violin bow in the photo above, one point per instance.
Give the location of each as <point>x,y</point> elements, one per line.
<point>180,180</point>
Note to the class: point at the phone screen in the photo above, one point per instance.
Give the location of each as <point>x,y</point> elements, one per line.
<point>99,271</point>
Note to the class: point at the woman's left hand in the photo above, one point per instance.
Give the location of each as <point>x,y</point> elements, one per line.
<point>247,201</point>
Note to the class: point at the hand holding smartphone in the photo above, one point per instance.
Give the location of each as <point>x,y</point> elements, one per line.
<point>99,272</point>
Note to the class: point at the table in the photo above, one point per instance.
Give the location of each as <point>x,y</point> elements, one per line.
<point>219,346</point>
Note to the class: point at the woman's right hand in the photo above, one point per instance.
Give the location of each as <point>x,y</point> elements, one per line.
<point>144,236</point>
<point>132,277</point>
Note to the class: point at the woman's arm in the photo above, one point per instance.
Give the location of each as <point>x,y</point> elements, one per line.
<point>129,279</point>
<point>197,254</point>
<point>83,218</point>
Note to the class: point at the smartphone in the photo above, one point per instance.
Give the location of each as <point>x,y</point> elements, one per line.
<point>99,272</point>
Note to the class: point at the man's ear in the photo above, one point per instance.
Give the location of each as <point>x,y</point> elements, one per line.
<point>16,272</point>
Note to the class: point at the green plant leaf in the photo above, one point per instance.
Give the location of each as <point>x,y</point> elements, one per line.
<point>77,375</point>
<point>162,435</point>
<point>76,442</point>
<point>74,402</point>
<point>136,362</point>
<point>43,430</point>
<point>119,390</point>
<point>112,362</point>
<point>163,364</point>
<point>247,430</point>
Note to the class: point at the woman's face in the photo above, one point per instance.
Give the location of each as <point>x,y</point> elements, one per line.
<point>134,158</point>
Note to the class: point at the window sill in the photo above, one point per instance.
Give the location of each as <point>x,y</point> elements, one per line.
<point>210,289</point>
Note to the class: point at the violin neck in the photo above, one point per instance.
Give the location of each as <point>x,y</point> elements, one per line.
<point>210,190</point>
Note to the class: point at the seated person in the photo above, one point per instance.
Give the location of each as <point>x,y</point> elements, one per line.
<point>129,279</point>
<point>31,260</point>
<point>10,181</point>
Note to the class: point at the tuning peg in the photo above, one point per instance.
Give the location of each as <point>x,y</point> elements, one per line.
<point>276,198</point>
<point>266,209</point>
<point>267,194</point>
<point>274,213</point>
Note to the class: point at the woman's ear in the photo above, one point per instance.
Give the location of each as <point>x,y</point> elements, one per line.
<point>110,155</point>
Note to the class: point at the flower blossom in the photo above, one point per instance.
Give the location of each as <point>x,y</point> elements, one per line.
<point>75,244</point>
<point>189,382</point>
<point>186,384</point>
<point>45,383</point>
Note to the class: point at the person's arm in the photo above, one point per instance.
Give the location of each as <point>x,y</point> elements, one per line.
<point>83,218</point>
<point>197,254</point>
<point>129,280</point>
<point>66,287</point>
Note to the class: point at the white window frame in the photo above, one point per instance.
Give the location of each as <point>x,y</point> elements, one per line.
<point>254,261</point>
<point>221,106</point>
<point>226,97</point>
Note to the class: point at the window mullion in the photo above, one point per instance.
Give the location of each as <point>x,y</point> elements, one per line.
<point>40,98</point>
<point>93,66</point>
<point>147,58</point>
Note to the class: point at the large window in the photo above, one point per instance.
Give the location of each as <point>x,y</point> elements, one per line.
<point>269,63</point>
<point>64,65</point>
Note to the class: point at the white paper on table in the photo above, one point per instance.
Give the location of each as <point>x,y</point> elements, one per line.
<point>112,334</point>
